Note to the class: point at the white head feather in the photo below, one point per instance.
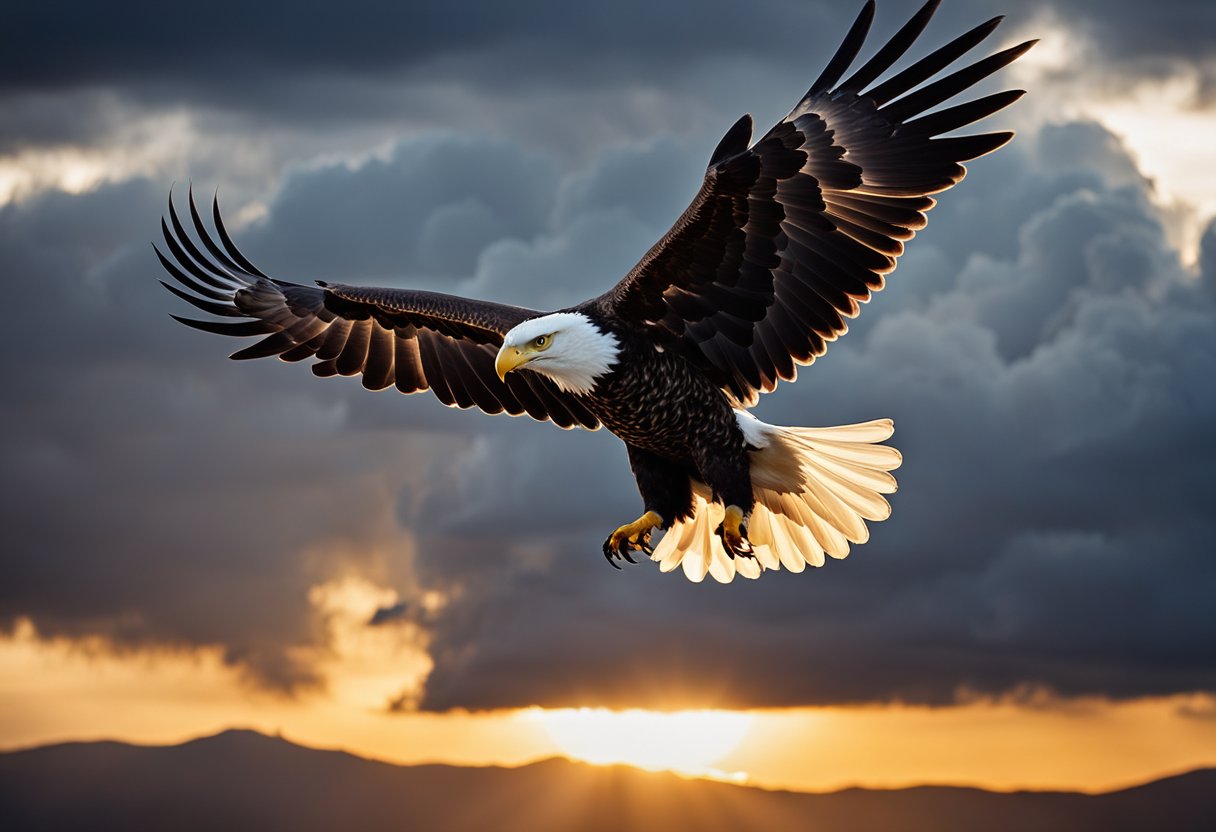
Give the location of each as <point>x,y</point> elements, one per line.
<point>578,353</point>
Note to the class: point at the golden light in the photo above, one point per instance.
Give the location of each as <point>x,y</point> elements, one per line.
<point>688,742</point>
<point>1165,122</point>
<point>133,145</point>
<point>57,689</point>
<point>364,666</point>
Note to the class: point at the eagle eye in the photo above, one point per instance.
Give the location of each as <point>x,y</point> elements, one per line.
<point>540,342</point>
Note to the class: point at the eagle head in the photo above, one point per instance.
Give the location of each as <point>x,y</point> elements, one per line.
<point>565,346</point>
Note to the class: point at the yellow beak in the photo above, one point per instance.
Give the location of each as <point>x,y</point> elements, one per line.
<point>510,358</point>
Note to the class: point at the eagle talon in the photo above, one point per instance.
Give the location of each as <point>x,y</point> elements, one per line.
<point>631,537</point>
<point>733,531</point>
<point>608,554</point>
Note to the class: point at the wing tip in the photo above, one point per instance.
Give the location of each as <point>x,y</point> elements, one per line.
<point>1024,47</point>
<point>240,329</point>
<point>846,53</point>
<point>735,141</point>
<point>1006,136</point>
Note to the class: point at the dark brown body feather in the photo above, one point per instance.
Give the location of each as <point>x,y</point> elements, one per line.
<point>676,423</point>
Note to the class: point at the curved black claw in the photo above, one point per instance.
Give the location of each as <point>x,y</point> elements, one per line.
<point>741,548</point>
<point>608,554</point>
<point>624,547</point>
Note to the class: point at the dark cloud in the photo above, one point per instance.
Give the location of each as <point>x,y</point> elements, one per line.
<point>395,612</point>
<point>231,47</point>
<point>427,211</point>
<point>637,68</point>
<point>136,504</point>
<point>61,117</point>
<point>1133,38</point>
<point>230,41</point>
<point>1207,257</point>
<point>302,63</point>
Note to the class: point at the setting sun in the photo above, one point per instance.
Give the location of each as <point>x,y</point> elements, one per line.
<point>689,742</point>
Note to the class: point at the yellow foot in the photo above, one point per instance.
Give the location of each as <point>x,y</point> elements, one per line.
<point>733,532</point>
<point>635,535</point>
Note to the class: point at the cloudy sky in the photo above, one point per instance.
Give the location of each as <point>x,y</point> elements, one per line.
<point>219,543</point>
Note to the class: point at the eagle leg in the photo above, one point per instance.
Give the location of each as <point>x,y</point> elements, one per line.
<point>733,531</point>
<point>635,535</point>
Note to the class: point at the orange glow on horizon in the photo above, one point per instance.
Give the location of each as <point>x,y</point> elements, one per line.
<point>58,690</point>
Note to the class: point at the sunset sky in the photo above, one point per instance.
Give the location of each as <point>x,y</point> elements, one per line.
<point>193,544</point>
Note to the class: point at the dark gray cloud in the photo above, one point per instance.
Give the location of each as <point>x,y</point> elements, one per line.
<point>1207,257</point>
<point>427,211</point>
<point>1043,352</point>
<point>230,40</point>
<point>231,47</point>
<point>304,64</point>
<point>228,50</point>
<point>136,506</point>
<point>640,68</point>
<point>401,612</point>
<point>1134,40</point>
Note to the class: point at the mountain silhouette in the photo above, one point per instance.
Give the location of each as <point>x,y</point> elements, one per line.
<point>246,780</point>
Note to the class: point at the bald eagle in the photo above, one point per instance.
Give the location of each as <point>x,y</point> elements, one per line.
<point>783,241</point>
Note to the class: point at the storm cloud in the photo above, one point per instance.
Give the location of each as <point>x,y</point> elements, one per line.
<point>1043,348</point>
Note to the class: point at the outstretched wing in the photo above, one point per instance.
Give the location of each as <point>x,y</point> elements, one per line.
<point>391,337</point>
<point>788,235</point>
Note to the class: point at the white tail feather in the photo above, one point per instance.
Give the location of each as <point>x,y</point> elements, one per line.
<point>814,488</point>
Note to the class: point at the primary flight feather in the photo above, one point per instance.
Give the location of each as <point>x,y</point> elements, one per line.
<point>784,240</point>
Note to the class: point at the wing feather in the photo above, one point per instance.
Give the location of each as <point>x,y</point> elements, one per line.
<point>378,371</point>
<point>276,343</point>
<point>353,357</point>
<point>892,51</point>
<point>847,51</point>
<point>933,63</point>
<point>787,237</point>
<point>411,340</point>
